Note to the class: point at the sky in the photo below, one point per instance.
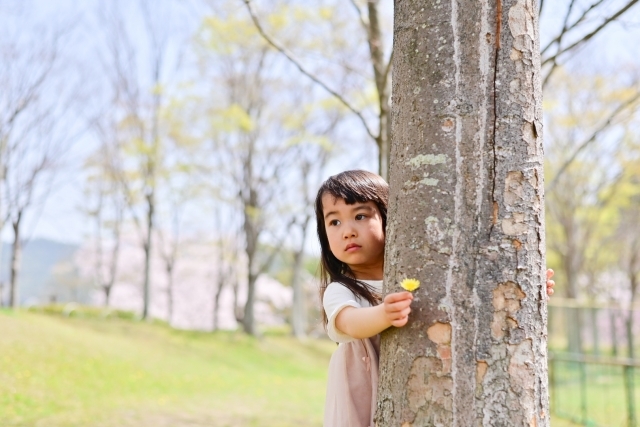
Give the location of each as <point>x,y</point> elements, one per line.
<point>61,217</point>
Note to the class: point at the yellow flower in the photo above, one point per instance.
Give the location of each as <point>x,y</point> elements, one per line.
<point>410,284</point>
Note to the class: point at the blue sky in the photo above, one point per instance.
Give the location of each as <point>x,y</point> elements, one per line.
<point>61,218</point>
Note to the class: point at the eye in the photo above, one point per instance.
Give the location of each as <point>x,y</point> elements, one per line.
<point>360,217</point>
<point>334,222</point>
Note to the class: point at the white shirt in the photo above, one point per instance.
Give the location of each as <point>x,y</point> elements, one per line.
<point>336,297</point>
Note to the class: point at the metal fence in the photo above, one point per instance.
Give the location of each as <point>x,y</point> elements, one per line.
<point>594,377</point>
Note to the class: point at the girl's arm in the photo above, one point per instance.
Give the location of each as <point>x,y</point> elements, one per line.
<point>365,322</point>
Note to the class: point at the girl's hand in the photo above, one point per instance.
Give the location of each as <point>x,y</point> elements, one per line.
<point>550,283</point>
<point>397,307</point>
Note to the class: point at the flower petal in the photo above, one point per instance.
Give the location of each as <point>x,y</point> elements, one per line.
<point>410,284</point>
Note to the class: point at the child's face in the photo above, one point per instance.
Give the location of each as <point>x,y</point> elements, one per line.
<point>356,235</point>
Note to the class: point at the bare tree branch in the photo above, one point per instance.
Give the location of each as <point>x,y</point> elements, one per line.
<point>303,70</point>
<point>621,108</point>
<point>559,41</point>
<point>588,36</point>
<point>363,21</point>
<point>566,28</point>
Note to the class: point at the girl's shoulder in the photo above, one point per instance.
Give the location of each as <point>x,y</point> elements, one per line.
<point>337,288</point>
<point>338,291</point>
<point>342,289</point>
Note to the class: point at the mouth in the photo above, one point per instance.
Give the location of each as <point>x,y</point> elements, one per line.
<point>352,247</point>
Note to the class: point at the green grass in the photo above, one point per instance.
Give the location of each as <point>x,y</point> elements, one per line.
<point>57,371</point>
<point>90,371</point>
<point>601,401</point>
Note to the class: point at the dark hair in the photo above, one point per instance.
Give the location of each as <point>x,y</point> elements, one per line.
<point>356,186</point>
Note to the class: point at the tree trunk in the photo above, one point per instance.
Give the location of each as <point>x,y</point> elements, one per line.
<point>251,232</point>
<point>466,217</point>
<point>169,271</point>
<point>113,266</point>
<point>107,295</point>
<point>248,321</point>
<point>147,257</point>
<point>223,276</point>
<point>16,259</point>
<point>238,310</point>
<point>299,312</point>
<point>633,282</point>
<point>380,73</point>
<point>216,306</point>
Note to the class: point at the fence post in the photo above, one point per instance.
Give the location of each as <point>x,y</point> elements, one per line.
<point>552,380</point>
<point>583,393</point>
<point>630,394</point>
<point>614,336</point>
<point>595,335</point>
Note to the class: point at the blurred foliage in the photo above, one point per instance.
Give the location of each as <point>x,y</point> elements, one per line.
<point>591,170</point>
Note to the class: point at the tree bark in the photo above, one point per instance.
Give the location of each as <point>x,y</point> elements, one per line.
<point>147,246</point>
<point>298,310</point>
<point>251,229</point>
<point>251,211</point>
<point>107,295</point>
<point>248,320</point>
<point>466,217</point>
<point>170,299</point>
<point>16,260</point>
<point>216,305</point>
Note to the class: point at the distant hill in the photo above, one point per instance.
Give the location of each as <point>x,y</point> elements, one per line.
<point>37,281</point>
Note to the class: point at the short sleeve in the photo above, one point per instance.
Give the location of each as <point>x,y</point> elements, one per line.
<point>336,297</point>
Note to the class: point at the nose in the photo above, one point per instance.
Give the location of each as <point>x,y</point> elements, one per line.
<point>348,231</point>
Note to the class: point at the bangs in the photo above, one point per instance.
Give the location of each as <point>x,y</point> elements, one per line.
<point>356,187</point>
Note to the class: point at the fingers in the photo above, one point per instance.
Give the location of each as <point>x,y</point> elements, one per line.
<point>550,285</point>
<point>550,291</point>
<point>400,322</point>
<point>397,296</point>
<point>397,307</point>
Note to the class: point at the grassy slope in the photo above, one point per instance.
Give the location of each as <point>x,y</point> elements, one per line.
<point>59,372</point>
<point>91,372</point>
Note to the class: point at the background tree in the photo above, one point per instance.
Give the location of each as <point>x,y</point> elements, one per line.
<point>370,32</point>
<point>466,218</point>
<point>227,260</point>
<point>581,23</point>
<point>583,194</point>
<point>256,142</point>
<point>179,188</point>
<point>311,168</point>
<point>35,131</point>
<point>138,89</point>
<point>104,190</point>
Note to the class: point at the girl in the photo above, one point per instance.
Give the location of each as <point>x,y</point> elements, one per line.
<point>351,215</point>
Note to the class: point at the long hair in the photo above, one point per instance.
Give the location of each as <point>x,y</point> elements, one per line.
<point>355,186</point>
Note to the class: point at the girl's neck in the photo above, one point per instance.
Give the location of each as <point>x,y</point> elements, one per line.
<point>376,273</point>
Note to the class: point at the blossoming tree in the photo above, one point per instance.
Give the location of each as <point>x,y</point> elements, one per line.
<point>466,218</point>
